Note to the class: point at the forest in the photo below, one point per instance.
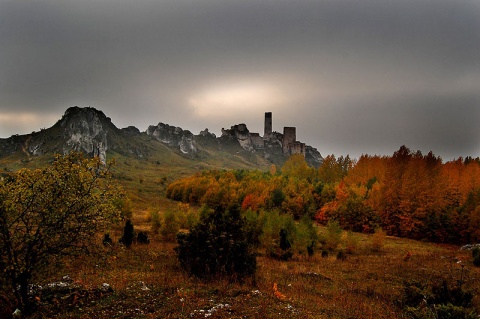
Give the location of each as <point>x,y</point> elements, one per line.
<point>408,194</point>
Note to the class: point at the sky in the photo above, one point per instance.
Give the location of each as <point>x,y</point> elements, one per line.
<point>353,76</point>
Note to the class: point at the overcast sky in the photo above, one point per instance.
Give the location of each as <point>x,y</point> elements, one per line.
<point>354,76</point>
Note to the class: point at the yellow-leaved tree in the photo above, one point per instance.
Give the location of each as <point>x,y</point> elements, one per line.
<point>50,213</point>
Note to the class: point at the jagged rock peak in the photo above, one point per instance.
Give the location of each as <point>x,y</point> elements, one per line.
<point>175,137</point>
<point>85,130</point>
<point>131,130</point>
<point>206,133</point>
<point>84,112</point>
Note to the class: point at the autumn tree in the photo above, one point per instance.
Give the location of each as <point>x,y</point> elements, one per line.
<point>297,167</point>
<point>51,213</point>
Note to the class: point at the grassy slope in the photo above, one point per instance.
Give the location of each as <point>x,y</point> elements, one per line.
<point>365,285</point>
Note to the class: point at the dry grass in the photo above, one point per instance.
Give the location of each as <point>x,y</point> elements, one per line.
<point>147,283</point>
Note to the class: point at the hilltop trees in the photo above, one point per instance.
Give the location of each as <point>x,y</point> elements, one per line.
<point>50,213</point>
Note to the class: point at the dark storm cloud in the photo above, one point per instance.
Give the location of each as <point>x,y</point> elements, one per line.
<point>353,76</point>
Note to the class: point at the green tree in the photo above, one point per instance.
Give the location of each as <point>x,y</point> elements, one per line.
<point>50,213</point>
<point>217,246</point>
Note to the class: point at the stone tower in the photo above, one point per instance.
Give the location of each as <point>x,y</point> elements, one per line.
<point>289,137</point>
<point>268,124</point>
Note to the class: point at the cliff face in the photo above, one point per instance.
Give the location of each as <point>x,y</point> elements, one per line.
<point>86,130</point>
<point>241,134</point>
<point>174,137</point>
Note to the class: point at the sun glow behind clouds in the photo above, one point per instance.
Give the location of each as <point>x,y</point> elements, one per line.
<point>23,123</point>
<point>229,99</point>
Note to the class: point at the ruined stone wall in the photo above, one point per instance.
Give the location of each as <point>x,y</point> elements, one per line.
<point>257,140</point>
<point>297,148</point>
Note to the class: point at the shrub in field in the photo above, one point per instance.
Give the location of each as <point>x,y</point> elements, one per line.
<point>170,226</point>
<point>306,237</point>
<point>142,238</point>
<point>437,301</point>
<point>351,243</point>
<point>217,246</point>
<point>333,236</point>
<point>378,240</point>
<point>156,222</point>
<point>254,223</point>
<point>128,234</point>
<point>279,233</point>
<point>341,255</point>
<point>107,240</point>
<point>476,256</point>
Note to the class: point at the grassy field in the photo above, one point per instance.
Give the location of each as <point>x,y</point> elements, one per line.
<point>147,282</point>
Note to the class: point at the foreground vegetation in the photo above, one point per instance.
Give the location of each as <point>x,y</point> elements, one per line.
<point>256,247</point>
<point>147,282</point>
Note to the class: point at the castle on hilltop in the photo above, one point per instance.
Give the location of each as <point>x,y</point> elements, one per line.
<point>253,141</point>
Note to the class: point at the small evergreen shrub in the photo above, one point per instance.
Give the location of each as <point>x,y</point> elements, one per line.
<point>476,256</point>
<point>217,246</point>
<point>107,240</point>
<point>341,255</point>
<point>142,238</point>
<point>128,234</point>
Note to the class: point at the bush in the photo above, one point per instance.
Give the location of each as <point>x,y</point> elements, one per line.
<point>142,238</point>
<point>170,226</point>
<point>156,222</point>
<point>437,301</point>
<point>279,233</point>
<point>378,240</point>
<point>341,255</point>
<point>351,243</point>
<point>476,256</point>
<point>334,235</point>
<point>217,246</point>
<point>128,234</point>
<point>307,237</point>
<point>107,240</point>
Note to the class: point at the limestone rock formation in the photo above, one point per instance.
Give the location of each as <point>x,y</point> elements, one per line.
<point>239,132</point>
<point>174,137</point>
<point>85,130</point>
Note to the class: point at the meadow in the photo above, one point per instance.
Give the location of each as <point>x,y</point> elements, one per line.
<point>147,282</point>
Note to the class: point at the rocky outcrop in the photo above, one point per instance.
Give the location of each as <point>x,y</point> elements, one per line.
<point>89,131</point>
<point>313,156</point>
<point>272,146</point>
<point>241,134</point>
<point>85,130</point>
<point>174,137</point>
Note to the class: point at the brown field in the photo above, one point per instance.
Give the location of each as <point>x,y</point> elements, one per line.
<point>147,282</point>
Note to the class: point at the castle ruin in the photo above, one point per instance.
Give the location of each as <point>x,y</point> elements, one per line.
<point>253,141</point>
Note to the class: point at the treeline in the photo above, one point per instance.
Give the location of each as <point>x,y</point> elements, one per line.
<point>408,194</point>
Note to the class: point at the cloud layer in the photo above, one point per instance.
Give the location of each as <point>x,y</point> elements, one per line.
<point>353,76</point>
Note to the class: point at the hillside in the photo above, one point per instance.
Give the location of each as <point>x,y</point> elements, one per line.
<point>145,161</point>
